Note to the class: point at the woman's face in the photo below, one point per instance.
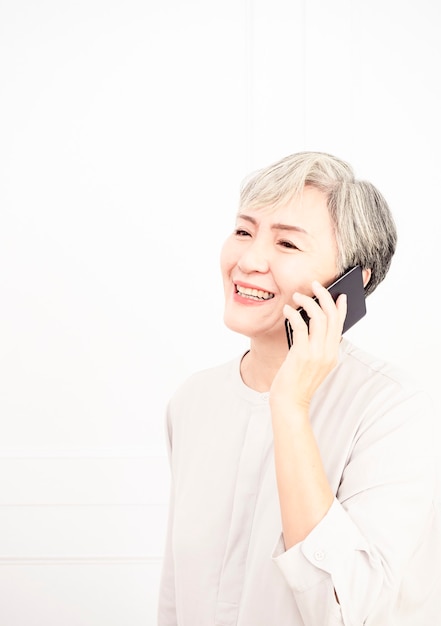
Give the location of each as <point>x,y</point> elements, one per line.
<point>272,254</point>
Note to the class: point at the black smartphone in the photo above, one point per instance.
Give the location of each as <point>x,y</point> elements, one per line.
<point>350,283</point>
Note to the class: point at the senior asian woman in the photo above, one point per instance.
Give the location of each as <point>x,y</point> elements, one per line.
<point>304,484</point>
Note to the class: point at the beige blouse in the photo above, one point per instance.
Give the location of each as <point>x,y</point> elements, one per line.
<point>378,546</point>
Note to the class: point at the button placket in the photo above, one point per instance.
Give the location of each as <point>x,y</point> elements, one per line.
<point>256,444</point>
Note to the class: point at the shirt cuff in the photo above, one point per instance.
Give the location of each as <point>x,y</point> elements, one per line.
<point>324,552</point>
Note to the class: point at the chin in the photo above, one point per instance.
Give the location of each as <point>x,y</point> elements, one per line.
<point>243,327</point>
<point>235,326</point>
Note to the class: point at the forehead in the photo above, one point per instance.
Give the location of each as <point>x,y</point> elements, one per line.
<point>308,211</point>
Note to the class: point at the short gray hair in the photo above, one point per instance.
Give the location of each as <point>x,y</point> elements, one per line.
<point>364,227</point>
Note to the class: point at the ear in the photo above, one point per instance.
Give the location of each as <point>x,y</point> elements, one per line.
<point>367,272</point>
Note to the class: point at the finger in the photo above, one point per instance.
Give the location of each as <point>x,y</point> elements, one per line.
<point>317,317</point>
<point>298,324</point>
<point>323,296</point>
<point>342,308</point>
<point>335,311</point>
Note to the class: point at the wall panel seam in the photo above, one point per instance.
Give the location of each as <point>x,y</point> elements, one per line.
<point>80,560</point>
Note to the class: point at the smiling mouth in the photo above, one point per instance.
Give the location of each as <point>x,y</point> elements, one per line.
<point>253,294</point>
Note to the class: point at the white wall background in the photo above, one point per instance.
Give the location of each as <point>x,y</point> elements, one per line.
<point>125,130</point>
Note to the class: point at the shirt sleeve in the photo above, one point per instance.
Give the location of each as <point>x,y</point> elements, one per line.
<point>361,550</point>
<point>167,604</point>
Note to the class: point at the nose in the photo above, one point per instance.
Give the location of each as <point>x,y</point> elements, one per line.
<point>254,258</point>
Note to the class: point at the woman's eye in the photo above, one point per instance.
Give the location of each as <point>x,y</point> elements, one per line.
<point>288,244</point>
<point>241,233</point>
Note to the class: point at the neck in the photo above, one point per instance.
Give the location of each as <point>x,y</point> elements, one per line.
<point>260,365</point>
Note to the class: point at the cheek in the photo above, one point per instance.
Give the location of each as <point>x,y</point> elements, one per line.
<point>227,257</point>
<point>294,276</point>
<point>287,278</point>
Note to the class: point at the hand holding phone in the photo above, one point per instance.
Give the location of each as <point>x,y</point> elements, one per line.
<point>350,283</point>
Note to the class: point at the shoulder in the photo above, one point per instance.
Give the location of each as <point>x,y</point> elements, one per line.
<point>203,398</point>
<point>377,371</point>
<point>378,388</point>
<point>206,384</point>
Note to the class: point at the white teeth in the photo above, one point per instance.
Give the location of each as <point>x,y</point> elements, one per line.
<point>254,293</point>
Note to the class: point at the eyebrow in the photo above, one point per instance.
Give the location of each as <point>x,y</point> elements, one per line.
<point>276,226</point>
